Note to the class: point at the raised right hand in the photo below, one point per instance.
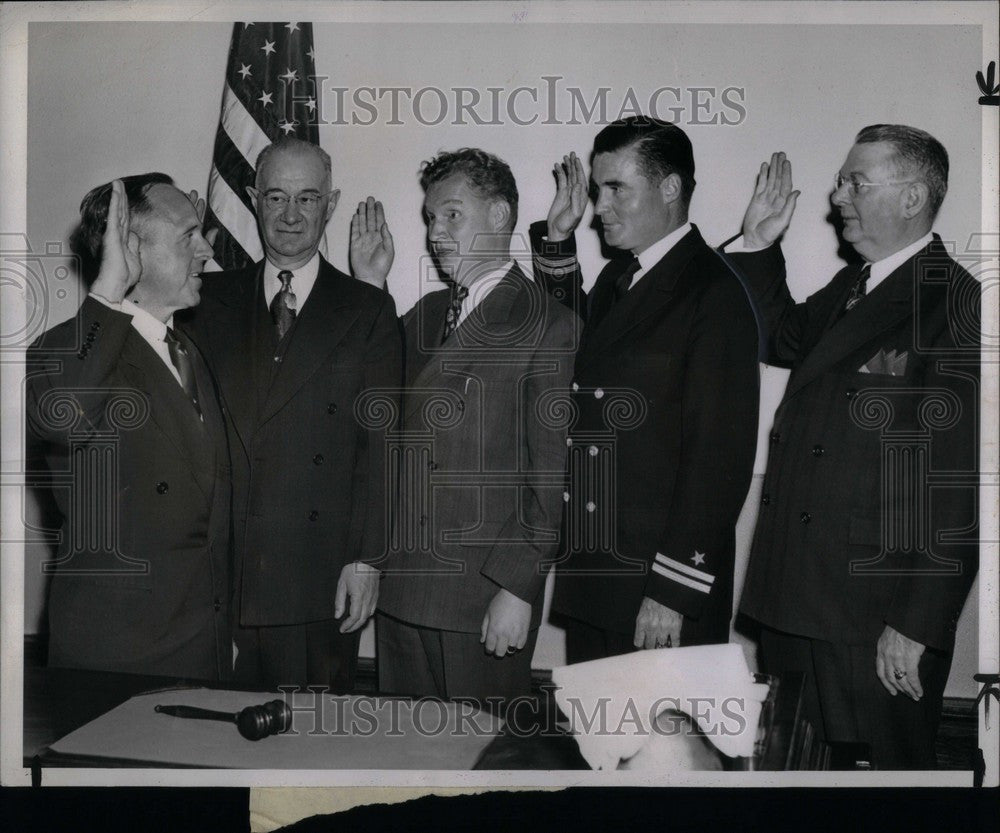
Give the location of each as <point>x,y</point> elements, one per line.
<point>570,200</point>
<point>372,249</point>
<point>770,210</point>
<point>121,264</point>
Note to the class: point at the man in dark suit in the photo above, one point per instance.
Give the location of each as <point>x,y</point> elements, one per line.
<point>488,364</point>
<point>859,568</point>
<point>294,342</point>
<point>124,411</point>
<point>666,390</point>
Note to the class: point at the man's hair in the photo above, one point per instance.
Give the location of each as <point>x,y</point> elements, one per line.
<point>662,148</point>
<point>87,239</point>
<point>917,153</point>
<point>292,144</point>
<point>487,174</point>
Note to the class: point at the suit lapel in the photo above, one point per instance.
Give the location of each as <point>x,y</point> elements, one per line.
<point>326,317</point>
<point>890,303</point>
<point>646,300</point>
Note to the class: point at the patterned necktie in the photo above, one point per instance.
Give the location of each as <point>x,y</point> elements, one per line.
<point>181,360</point>
<point>454,313</point>
<point>624,281</point>
<point>284,304</point>
<point>858,290</point>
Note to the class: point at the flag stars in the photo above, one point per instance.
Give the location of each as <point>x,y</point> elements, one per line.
<point>268,47</point>
<point>292,27</point>
<point>311,54</point>
<point>698,558</point>
<point>265,99</point>
<point>290,76</point>
<point>311,104</point>
<point>244,70</point>
<point>287,126</point>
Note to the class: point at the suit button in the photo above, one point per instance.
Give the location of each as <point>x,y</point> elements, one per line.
<point>765,499</point>
<point>432,466</point>
<point>331,408</point>
<point>217,605</point>
<point>80,355</point>
<point>598,394</point>
<point>591,506</point>
<point>162,487</point>
<point>818,451</point>
<point>592,451</point>
<point>90,338</point>
<point>851,393</point>
<point>318,459</point>
<point>805,517</point>
<point>576,387</point>
<point>96,325</point>
<point>314,515</point>
<point>565,497</point>
<point>569,442</point>
<point>775,436</point>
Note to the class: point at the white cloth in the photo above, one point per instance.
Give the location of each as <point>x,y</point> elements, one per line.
<point>649,257</point>
<point>303,280</point>
<point>613,703</point>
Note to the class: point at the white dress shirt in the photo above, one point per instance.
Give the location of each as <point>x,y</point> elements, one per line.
<point>303,280</point>
<point>649,257</point>
<point>151,329</point>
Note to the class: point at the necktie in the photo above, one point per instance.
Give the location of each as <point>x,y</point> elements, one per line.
<point>181,360</point>
<point>624,280</point>
<point>458,295</point>
<point>284,304</point>
<point>858,290</point>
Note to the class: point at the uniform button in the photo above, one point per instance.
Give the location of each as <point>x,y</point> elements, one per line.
<point>765,499</point>
<point>818,451</point>
<point>331,408</point>
<point>314,515</point>
<point>162,487</point>
<point>432,466</point>
<point>851,393</point>
<point>277,359</point>
<point>591,506</point>
<point>318,459</point>
<point>775,436</point>
<point>592,451</point>
<point>805,517</point>
<point>217,605</point>
<point>569,442</point>
<point>598,394</point>
<point>565,497</point>
<point>575,387</point>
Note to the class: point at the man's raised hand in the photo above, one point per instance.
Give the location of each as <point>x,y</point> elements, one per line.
<point>372,250</point>
<point>570,200</point>
<point>771,206</point>
<point>121,264</point>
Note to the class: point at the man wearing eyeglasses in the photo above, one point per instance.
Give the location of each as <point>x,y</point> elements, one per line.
<point>293,342</point>
<point>859,569</point>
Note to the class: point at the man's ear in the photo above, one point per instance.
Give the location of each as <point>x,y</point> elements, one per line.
<point>670,188</point>
<point>499,214</point>
<point>252,193</point>
<point>914,199</point>
<point>334,196</point>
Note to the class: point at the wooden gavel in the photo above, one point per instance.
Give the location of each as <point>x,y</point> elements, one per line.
<point>253,722</point>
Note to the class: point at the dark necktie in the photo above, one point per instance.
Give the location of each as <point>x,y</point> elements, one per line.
<point>284,304</point>
<point>858,290</point>
<point>181,360</point>
<point>451,317</point>
<point>624,281</point>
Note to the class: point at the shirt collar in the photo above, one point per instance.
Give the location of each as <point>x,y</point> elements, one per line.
<point>649,257</point>
<point>302,284</point>
<point>150,328</point>
<point>881,269</point>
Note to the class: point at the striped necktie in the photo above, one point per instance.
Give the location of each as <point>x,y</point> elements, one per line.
<point>284,304</point>
<point>181,360</point>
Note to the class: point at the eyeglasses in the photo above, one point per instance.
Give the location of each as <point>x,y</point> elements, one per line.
<point>854,185</point>
<point>278,200</point>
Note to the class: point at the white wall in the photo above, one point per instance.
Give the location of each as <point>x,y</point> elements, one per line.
<point>112,99</point>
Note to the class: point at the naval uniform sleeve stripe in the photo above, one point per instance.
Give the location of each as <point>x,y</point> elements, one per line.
<point>555,263</point>
<point>687,582</point>
<point>681,567</point>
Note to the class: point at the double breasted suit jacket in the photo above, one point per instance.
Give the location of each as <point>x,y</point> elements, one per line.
<point>869,511</point>
<point>483,440</point>
<point>141,578</point>
<point>666,392</point>
<point>308,474</point>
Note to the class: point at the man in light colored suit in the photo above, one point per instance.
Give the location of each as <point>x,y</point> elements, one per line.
<point>483,443</point>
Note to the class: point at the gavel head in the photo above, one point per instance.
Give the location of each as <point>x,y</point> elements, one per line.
<point>256,722</point>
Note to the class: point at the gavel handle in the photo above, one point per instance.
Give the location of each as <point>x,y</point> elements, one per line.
<point>193,712</point>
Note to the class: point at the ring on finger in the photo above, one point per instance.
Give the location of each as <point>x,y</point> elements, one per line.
<point>897,674</point>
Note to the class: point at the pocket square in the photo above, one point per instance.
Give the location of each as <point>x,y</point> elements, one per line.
<point>886,364</point>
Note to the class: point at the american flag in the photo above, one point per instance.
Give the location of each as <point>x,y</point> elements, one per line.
<point>270,92</point>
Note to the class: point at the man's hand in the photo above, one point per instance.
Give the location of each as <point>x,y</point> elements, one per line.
<point>199,207</point>
<point>121,264</point>
<point>505,625</point>
<point>372,250</point>
<point>657,626</point>
<point>359,581</point>
<point>771,206</point>
<point>896,660</point>
<point>570,200</point>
